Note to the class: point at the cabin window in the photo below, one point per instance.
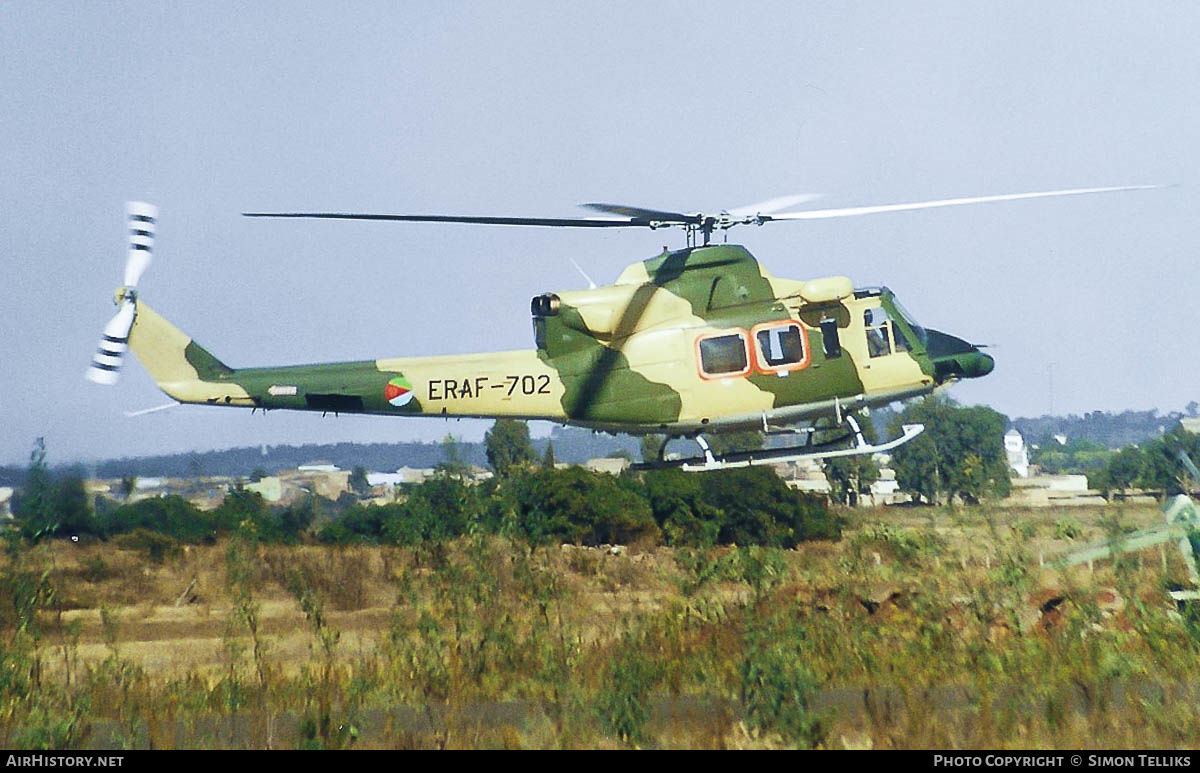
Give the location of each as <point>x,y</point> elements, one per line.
<point>780,346</point>
<point>724,355</point>
<point>877,324</point>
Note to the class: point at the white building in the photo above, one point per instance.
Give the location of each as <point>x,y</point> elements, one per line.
<point>1018,455</point>
<point>318,467</point>
<point>613,465</point>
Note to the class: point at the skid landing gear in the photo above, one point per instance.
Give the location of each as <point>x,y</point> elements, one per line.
<point>734,459</point>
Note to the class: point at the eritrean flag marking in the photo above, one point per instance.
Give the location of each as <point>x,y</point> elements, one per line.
<point>398,391</point>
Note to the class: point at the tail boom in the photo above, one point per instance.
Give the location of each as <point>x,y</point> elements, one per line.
<point>514,384</point>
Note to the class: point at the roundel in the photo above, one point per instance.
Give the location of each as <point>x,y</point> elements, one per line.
<point>398,391</point>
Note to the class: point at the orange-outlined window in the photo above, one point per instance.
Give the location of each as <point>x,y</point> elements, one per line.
<point>780,347</point>
<point>723,355</point>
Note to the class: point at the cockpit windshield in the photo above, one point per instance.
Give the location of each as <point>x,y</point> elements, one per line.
<point>909,319</point>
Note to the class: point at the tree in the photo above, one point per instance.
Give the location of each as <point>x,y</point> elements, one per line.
<point>1123,469</point>
<point>960,453</point>
<point>548,458</point>
<point>452,463</point>
<point>358,482</point>
<point>1163,470</point>
<point>727,442</point>
<point>50,507</point>
<point>852,476</point>
<point>71,507</point>
<point>128,485</point>
<point>508,446</point>
<point>34,504</point>
<point>650,446</point>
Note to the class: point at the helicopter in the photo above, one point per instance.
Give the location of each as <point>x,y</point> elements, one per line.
<point>690,342</point>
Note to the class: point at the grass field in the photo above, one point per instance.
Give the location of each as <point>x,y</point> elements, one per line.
<point>922,627</point>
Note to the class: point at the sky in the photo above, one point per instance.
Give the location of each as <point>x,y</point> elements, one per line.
<point>529,108</point>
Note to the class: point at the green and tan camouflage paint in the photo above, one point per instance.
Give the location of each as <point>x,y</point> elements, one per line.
<point>621,358</point>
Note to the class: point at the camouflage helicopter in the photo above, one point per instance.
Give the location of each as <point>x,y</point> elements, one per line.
<point>690,342</point>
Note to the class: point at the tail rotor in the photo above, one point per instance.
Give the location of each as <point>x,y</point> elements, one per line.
<point>106,362</point>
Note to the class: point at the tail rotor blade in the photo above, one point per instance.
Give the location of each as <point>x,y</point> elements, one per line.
<point>106,362</point>
<point>142,221</point>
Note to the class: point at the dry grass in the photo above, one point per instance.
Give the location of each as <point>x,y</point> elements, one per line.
<point>953,624</point>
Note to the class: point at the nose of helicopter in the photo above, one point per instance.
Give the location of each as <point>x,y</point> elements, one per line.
<point>953,357</point>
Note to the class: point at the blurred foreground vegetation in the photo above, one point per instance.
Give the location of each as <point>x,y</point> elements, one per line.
<point>938,628</point>
<point>736,614</point>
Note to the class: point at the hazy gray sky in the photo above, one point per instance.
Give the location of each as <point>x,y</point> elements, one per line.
<point>211,109</point>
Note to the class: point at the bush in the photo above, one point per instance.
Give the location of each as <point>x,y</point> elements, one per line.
<point>240,505</point>
<point>157,547</point>
<point>171,515</point>
<point>748,507</point>
<point>360,523</point>
<point>759,509</point>
<point>294,520</point>
<point>574,505</point>
<point>677,501</point>
<point>437,509</point>
<point>1068,529</point>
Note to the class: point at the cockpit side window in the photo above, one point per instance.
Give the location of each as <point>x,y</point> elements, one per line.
<point>724,355</point>
<point>878,326</point>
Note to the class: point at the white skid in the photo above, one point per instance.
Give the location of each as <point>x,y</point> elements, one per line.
<point>781,455</point>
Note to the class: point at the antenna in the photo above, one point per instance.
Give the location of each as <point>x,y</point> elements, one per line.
<point>591,284</point>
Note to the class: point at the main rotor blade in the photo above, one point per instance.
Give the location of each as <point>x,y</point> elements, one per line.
<point>820,214</point>
<point>774,205</point>
<point>640,213</point>
<point>555,222</point>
